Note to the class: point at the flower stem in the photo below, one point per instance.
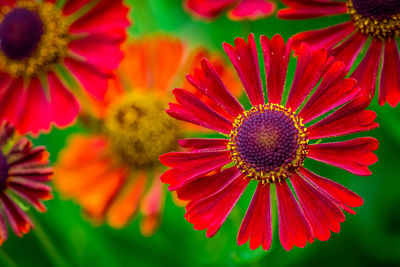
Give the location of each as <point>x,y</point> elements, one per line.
<point>6,259</point>
<point>43,239</point>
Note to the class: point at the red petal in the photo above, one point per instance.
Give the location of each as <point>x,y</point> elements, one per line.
<point>207,8</point>
<point>294,229</point>
<point>353,155</point>
<point>389,89</point>
<point>208,185</point>
<point>366,72</point>
<point>193,107</point>
<point>92,79</point>
<point>107,15</point>
<point>3,229</point>
<point>18,220</point>
<point>351,118</point>
<point>245,60</point>
<point>323,214</point>
<point>257,224</point>
<point>331,93</point>
<point>210,213</point>
<point>32,192</point>
<point>309,70</point>
<point>203,143</point>
<point>252,9</point>
<point>303,9</point>
<point>343,196</point>
<point>349,49</point>
<point>326,37</point>
<point>72,6</point>
<point>209,82</point>
<point>276,59</point>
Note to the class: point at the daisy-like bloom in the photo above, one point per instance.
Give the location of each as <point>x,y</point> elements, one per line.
<point>48,47</point>
<point>23,174</point>
<point>113,172</point>
<point>269,143</point>
<point>373,25</point>
<point>238,9</point>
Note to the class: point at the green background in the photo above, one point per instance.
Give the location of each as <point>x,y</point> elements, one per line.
<point>371,237</point>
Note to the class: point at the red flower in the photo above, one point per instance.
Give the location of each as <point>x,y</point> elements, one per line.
<point>375,20</point>
<point>238,9</point>
<point>269,143</point>
<point>47,48</point>
<point>23,172</point>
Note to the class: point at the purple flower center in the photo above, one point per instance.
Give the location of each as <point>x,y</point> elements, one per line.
<point>378,9</point>
<point>3,171</point>
<point>20,33</point>
<point>267,140</point>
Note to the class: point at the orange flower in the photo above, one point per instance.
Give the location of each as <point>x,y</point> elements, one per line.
<point>113,172</point>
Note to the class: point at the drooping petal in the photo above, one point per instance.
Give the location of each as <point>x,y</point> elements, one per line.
<point>208,81</point>
<point>351,118</point>
<point>310,68</point>
<point>3,229</point>
<point>257,224</point>
<point>343,196</point>
<point>18,220</point>
<point>294,229</point>
<point>126,205</point>
<point>303,9</point>
<point>389,89</point>
<point>252,9</point>
<point>276,59</point>
<point>353,155</point>
<point>210,213</point>
<point>206,186</point>
<point>245,60</point>
<point>327,37</point>
<point>367,71</point>
<point>322,213</point>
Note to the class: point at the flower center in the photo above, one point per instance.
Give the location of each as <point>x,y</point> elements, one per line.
<point>268,143</point>
<point>33,37</point>
<point>378,18</point>
<point>3,171</point>
<point>140,130</point>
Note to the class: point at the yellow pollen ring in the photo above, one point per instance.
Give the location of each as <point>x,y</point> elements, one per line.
<point>52,46</point>
<point>286,169</point>
<point>379,29</point>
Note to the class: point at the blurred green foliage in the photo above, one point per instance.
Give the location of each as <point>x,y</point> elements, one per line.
<point>371,237</point>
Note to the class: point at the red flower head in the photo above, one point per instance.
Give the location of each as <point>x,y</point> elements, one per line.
<point>48,47</point>
<point>269,143</point>
<point>23,172</point>
<point>238,9</point>
<point>116,175</point>
<point>375,20</point>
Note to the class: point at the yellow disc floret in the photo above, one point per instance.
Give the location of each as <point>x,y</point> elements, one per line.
<point>140,130</point>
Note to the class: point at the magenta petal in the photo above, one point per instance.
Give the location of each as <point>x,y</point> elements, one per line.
<point>203,143</point>
<point>389,89</point>
<point>257,224</point>
<point>210,213</point>
<point>207,8</point>
<point>252,9</point>
<point>300,9</point>
<point>294,229</point>
<point>18,220</point>
<point>245,60</point>
<point>206,186</point>
<point>323,214</point>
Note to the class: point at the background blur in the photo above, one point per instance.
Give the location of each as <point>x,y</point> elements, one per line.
<point>371,237</point>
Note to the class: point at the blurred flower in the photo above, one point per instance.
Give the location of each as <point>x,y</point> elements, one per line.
<point>238,9</point>
<point>113,173</point>
<point>269,143</point>
<point>23,172</point>
<point>375,20</point>
<point>48,45</point>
